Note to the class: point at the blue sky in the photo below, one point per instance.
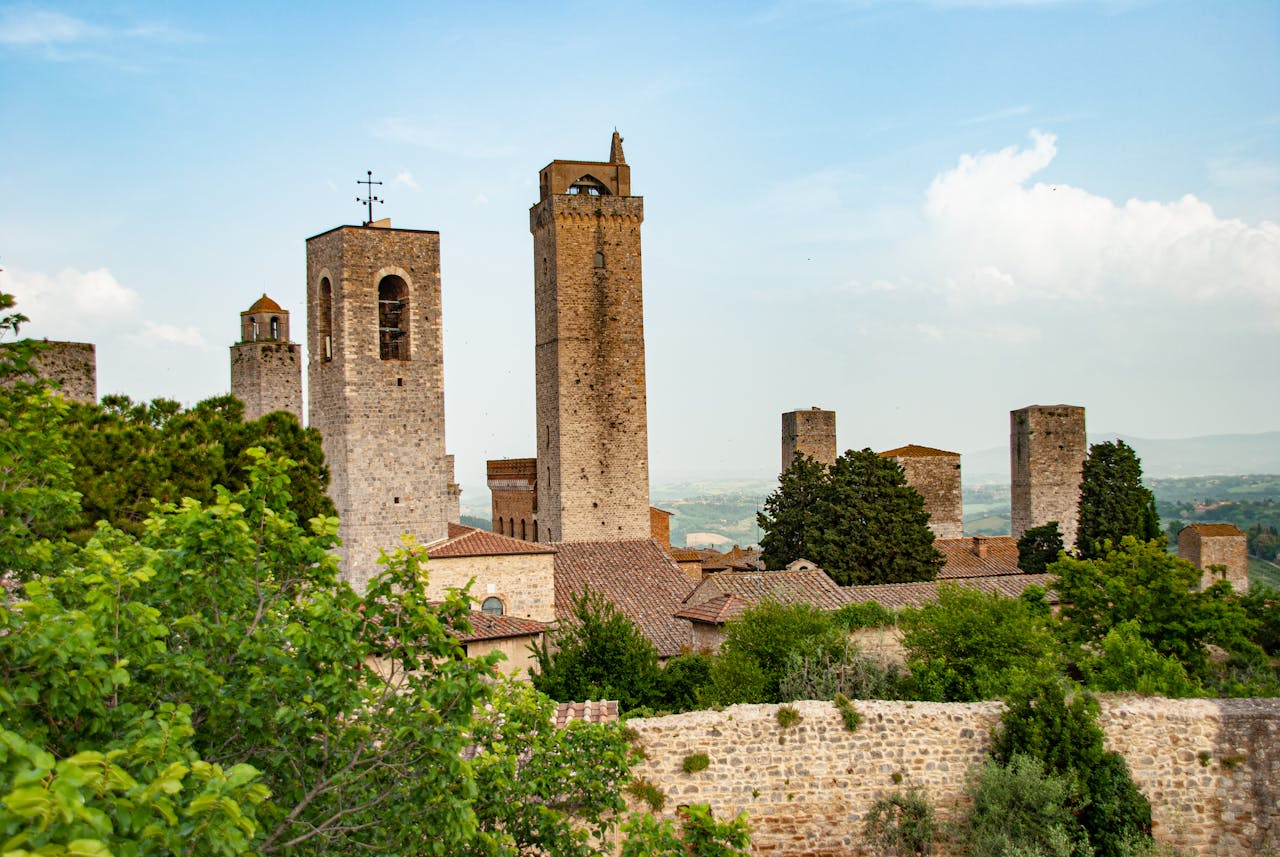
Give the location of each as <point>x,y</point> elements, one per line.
<point>918,214</point>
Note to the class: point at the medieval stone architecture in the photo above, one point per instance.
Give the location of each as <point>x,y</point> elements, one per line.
<point>592,428</point>
<point>935,474</point>
<point>376,381</point>
<point>1047,449</point>
<point>266,368</point>
<point>812,433</point>
<point>1225,545</point>
<point>72,366</point>
<point>513,488</point>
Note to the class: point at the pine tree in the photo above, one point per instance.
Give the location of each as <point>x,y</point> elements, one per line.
<point>1113,501</point>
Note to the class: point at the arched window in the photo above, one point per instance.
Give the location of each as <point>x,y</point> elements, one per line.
<point>493,605</point>
<point>523,537</point>
<point>393,318</point>
<point>326,320</point>
<point>599,260</point>
<point>255,330</point>
<point>535,529</point>
<point>275,327</point>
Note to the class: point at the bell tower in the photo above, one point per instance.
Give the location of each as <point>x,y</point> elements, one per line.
<point>266,368</point>
<point>376,380</point>
<point>593,447</point>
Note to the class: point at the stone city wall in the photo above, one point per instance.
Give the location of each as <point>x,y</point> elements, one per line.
<point>1211,768</point>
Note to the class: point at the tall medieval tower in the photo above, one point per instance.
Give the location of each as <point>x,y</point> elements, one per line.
<point>593,447</point>
<point>1047,449</point>
<point>266,368</point>
<point>812,433</point>
<point>376,380</point>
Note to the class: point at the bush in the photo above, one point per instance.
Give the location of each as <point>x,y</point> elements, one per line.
<point>683,681</point>
<point>868,614</point>
<point>1019,809</point>
<point>758,645</point>
<point>851,716</point>
<point>696,762</point>
<point>787,715</point>
<point>901,824</point>
<point>1127,662</point>
<point>821,672</point>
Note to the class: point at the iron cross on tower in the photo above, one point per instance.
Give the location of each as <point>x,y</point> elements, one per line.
<point>369,199</point>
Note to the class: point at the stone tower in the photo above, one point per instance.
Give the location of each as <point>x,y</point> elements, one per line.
<point>513,487</point>
<point>811,432</point>
<point>593,447</point>
<point>376,380</point>
<point>1047,449</point>
<point>72,366</point>
<point>266,368</point>
<point>935,474</point>
<point>1225,545</point>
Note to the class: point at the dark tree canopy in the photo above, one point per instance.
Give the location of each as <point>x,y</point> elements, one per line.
<point>1113,501</point>
<point>858,520</point>
<point>1038,548</point>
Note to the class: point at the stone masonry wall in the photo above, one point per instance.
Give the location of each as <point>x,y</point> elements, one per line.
<point>267,376</point>
<point>381,421</point>
<point>937,479</point>
<point>73,366</point>
<point>1230,551</point>
<point>513,491</point>
<point>592,424</point>
<point>524,582</point>
<point>1210,768</point>
<point>1047,448</point>
<point>811,432</point>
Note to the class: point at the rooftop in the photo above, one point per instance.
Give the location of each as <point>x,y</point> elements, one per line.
<point>962,560</point>
<point>472,541</point>
<point>911,450</point>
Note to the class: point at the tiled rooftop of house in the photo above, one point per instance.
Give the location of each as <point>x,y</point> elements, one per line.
<point>637,576</point>
<point>895,595</point>
<point>785,587</point>
<point>471,541</point>
<point>715,611</point>
<point>487,626</point>
<point>978,556</point>
<point>601,711</point>
<point>686,555</point>
<point>1216,529</point>
<point>912,450</point>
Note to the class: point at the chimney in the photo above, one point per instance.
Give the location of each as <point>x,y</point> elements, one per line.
<point>980,547</point>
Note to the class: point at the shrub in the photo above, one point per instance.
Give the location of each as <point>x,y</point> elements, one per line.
<point>820,672</point>
<point>868,614</point>
<point>758,645</point>
<point>1125,661</point>
<point>641,788</point>
<point>683,681</point>
<point>696,762</point>
<point>1018,808</point>
<point>787,715</point>
<point>901,824</point>
<point>851,716</point>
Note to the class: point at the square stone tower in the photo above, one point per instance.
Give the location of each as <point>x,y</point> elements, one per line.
<point>266,368</point>
<point>1226,545</point>
<point>935,474</point>
<point>593,446</point>
<point>1047,449</point>
<point>376,378</point>
<point>73,366</point>
<point>513,488</point>
<point>811,432</point>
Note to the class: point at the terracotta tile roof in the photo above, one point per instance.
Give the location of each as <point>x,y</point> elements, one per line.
<point>962,561</point>
<point>602,711</point>
<point>637,576</point>
<point>471,541</point>
<point>686,555</point>
<point>897,595</point>
<point>265,304</point>
<point>911,450</point>
<point>734,559</point>
<point>715,611</point>
<point>785,587</point>
<point>1215,529</point>
<point>487,626</point>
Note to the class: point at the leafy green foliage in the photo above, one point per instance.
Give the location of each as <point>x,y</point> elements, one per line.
<point>786,715</point>
<point>858,520</point>
<point>970,645</point>
<point>1063,734</point>
<point>868,614</point>
<point>1039,547</point>
<point>699,835</point>
<point>1017,808</point>
<point>851,716</point>
<point>1125,661</point>
<point>822,670</point>
<point>598,653</point>
<point>683,681</point>
<point>1113,501</point>
<point>695,762</point>
<point>901,824</point>
<point>757,646</point>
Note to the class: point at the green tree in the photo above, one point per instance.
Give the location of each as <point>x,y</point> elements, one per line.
<point>858,520</point>
<point>1017,808</point>
<point>758,646</point>
<point>597,653</point>
<point>698,834</point>
<point>1113,501</point>
<point>1124,661</point>
<point>1039,547</point>
<point>683,681</point>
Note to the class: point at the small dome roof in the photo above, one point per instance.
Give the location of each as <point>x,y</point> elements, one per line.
<point>265,304</point>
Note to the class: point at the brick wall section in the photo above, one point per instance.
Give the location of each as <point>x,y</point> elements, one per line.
<point>807,788</point>
<point>1204,545</point>
<point>381,421</point>
<point>1047,449</point>
<point>935,474</point>
<point>524,582</point>
<point>513,492</point>
<point>593,455</point>
<point>267,376</point>
<point>73,366</point>
<point>811,432</point>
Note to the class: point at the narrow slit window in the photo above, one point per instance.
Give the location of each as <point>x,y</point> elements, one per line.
<point>326,320</point>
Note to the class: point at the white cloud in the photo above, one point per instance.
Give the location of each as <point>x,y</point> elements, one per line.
<point>80,300</point>
<point>170,334</point>
<point>404,177</point>
<point>1000,239</point>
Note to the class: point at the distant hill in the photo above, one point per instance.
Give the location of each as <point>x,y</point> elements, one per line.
<point>1211,455</point>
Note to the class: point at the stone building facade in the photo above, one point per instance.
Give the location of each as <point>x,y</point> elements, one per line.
<point>266,368</point>
<point>592,428</point>
<point>73,366</point>
<point>513,491</point>
<point>376,381</point>
<point>1047,449</point>
<point>812,433</point>
<point>1205,545</point>
<point>935,474</point>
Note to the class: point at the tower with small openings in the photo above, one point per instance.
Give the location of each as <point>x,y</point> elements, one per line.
<point>266,368</point>
<point>376,381</point>
<point>593,448</point>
